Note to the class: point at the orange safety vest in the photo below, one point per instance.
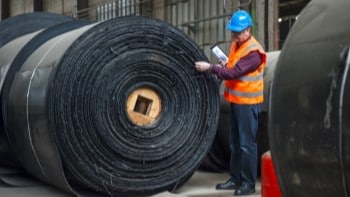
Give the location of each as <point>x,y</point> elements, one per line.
<point>249,88</point>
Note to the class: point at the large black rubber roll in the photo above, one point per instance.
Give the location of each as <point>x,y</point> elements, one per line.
<point>309,107</point>
<point>24,27</point>
<point>218,157</point>
<point>118,103</point>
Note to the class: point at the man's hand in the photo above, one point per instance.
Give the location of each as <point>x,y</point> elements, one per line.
<point>222,64</point>
<point>202,66</point>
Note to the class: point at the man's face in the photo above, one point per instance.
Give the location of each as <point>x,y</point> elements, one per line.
<point>240,36</point>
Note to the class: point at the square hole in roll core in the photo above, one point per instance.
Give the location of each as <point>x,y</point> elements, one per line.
<point>143,105</point>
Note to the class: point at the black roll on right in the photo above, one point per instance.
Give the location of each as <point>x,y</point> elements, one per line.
<point>309,115</point>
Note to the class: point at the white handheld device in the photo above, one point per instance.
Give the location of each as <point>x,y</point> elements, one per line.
<point>216,50</point>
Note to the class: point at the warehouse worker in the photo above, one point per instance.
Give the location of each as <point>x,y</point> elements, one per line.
<point>243,78</point>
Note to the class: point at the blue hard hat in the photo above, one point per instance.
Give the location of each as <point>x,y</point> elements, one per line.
<point>240,21</point>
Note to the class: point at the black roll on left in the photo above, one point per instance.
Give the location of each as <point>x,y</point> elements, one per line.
<point>120,104</point>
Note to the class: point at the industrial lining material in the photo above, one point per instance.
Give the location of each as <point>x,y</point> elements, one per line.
<point>72,92</point>
<point>309,115</point>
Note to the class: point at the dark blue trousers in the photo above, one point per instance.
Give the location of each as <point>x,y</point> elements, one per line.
<point>243,145</point>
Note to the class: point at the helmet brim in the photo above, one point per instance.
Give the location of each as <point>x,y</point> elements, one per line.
<point>235,28</point>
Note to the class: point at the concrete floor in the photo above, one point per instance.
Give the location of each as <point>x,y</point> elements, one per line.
<point>201,184</point>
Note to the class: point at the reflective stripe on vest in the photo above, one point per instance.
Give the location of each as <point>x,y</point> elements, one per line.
<point>252,78</point>
<point>244,94</point>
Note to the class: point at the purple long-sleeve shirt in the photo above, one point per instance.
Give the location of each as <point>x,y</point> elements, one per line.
<point>243,66</point>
